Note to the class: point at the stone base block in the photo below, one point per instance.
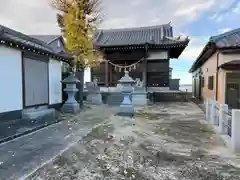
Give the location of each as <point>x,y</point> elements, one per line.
<point>40,113</point>
<point>126,110</point>
<point>95,98</point>
<point>139,99</point>
<point>72,108</point>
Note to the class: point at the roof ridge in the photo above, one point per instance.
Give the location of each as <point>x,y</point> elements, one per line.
<point>17,38</point>
<point>14,32</point>
<point>45,35</point>
<point>135,28</point>
<point>49,42</point>
<point>223,35</point>
<point>53,37</point>
<point>98,35</point>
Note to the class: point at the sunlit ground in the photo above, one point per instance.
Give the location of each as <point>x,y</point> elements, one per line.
<point>164,142</point>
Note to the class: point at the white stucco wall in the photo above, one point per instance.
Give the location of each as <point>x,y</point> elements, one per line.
<point>11,79</point>
<point>153,55</point>
<point>55,85</point>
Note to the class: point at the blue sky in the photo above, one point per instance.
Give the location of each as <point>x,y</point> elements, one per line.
<point>198,19</point>
<point>209,23</point>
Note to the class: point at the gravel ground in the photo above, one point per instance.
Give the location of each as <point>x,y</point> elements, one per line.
<point>168,141</point>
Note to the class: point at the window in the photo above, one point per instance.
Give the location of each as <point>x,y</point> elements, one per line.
<point>210,82</point>
<point>203,82</point>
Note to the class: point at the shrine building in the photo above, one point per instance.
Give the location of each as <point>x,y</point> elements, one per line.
<point>143,51</point>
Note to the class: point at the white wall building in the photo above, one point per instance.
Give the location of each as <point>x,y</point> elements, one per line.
<point>31,74</point>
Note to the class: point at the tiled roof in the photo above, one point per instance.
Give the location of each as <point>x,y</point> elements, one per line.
<point>12,36</point>
<point>230,39</point>
<point>156,35</point>
<point>233,62</point>
<point>46,38</point>
<point>50,41</point>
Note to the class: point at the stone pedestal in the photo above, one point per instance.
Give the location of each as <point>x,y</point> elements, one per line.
<point>71,105</point>
<point>94,98</point>
<point>126,107</point>
<point>139,96</point>
<point>94,95</point>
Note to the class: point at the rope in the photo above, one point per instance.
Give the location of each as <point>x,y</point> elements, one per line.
<point>126,66</point>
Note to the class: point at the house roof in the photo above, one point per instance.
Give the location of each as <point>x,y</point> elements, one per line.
<point>22,41</point>
<point>231,64</point>
<point>155,35</point>
<point>50,39</point>
<point>46,38</point>
<point>228,40</point>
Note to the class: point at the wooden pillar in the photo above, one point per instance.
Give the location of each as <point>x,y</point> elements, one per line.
<point>145,72</point>
<point>110,74</point>
<point>145,66</point>
<point>106,74</point>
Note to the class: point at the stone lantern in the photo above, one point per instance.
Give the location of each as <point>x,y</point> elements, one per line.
<point>126,107</point>
<point>71,105</point>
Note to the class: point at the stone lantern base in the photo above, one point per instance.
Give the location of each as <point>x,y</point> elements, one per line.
<point>126,110</point>
<point>72,108</point>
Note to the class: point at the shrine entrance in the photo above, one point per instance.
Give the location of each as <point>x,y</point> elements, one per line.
<point>109,73</point>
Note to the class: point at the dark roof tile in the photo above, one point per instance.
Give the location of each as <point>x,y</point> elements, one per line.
<point>13,36</point>
<point>136,36</point>
<point>46,38</point>
<point>228,39</point>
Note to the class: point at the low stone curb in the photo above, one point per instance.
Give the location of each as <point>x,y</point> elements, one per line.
<point>9,138</point>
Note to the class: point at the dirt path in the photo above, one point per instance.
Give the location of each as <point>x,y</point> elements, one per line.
<point>169,141</point>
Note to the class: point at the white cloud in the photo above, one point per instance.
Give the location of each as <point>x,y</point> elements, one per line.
<point>185,77</point>
<point>38,17</point>
<point>33,17</point>
<point>228,15</point>
<point>236,9</point>
<point>194,48</point>
<point>220,31</point>
<point>194,9</point>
